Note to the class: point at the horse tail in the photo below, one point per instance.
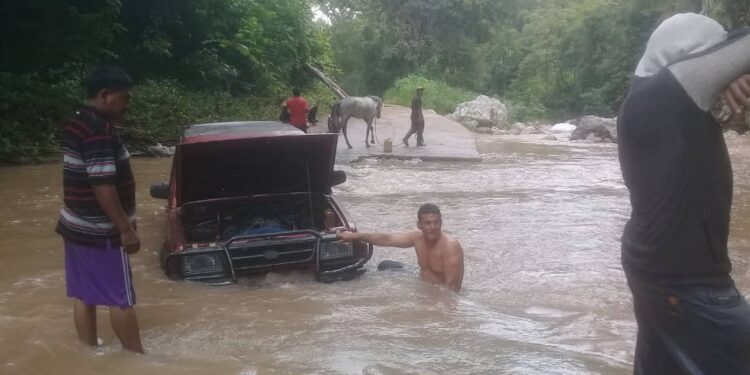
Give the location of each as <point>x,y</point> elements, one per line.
<point>380,105</point>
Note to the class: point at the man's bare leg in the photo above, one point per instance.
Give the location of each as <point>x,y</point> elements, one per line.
<point>85,320</point>
<point>125,324</point>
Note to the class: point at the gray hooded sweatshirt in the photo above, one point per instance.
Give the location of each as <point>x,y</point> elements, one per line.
<point>672,153</point>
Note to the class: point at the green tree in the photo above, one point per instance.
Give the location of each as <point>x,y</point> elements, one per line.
<point>211,57</point>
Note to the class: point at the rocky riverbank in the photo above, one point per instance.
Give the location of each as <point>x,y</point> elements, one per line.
<point>485,115</point>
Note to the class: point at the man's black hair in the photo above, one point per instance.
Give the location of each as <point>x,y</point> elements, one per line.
<point>107,78</point>
<point>428,208</point>
<point>296,92</point>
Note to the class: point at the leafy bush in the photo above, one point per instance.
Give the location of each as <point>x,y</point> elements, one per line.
<point>438,95</point>
<point>29,113</point>
<point>161,109</point>
<point>520,111</point>
<point>195,61</point>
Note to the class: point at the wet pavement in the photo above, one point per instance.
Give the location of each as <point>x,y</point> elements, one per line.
<point>446,140</point>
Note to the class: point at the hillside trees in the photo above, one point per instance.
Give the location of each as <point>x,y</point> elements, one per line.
<point>242,56</point>
<point>553,58</point>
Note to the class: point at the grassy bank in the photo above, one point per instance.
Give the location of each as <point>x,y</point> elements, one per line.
<point>438,95</point>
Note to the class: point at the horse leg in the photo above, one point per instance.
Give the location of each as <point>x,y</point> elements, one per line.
<point>343,128</point>
<point>367,132</point>
<point>372,131</point>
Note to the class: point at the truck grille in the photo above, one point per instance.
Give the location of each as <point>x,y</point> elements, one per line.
<point>252,256</point>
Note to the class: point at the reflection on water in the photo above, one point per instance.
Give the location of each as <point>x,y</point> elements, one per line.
<point>544,291</point>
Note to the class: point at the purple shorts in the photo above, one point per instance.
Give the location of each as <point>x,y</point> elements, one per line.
<point>99,275</point>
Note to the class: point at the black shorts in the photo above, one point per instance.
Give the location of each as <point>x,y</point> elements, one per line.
<point>690,330</point>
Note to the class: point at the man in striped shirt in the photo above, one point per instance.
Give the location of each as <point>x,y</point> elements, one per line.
<point>97,221</point>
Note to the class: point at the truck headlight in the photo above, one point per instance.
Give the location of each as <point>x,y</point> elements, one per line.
<point>335,249</point>
<point>203,264</point>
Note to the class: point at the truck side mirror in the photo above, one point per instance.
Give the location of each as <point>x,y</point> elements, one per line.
<point>160,190</point>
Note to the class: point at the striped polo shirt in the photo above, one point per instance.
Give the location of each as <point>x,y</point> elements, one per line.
<point>93,154</point>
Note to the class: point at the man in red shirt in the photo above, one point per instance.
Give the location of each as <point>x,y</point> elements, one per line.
<point>297,107</point>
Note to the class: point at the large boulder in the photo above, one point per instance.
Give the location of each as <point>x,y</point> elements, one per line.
<point>593,122</point>
<point>483,111</point>
<point>471,124</point>
<point>517,128</point>
<point>592,133</point>
<point>159,150</point>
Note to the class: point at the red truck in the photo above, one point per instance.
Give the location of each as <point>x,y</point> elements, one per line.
<point>247,198</point>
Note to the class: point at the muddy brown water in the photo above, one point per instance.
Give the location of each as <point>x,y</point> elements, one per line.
<point>544,292</point>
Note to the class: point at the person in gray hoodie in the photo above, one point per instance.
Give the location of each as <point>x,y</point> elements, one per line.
<point>675,164</point>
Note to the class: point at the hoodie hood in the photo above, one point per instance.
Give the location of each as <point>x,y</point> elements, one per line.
<point>677,37</point>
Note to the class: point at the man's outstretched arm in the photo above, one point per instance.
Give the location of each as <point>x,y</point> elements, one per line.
<point>402,240</point>
<point>454,267</point>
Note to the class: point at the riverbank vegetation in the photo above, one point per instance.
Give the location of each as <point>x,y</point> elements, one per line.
<point>547,58</point>
<point>212,60</point>
<point>193,60</point>
<point>442,98</point>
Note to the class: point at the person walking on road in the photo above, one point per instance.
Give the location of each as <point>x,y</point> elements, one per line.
<point>417,119</point>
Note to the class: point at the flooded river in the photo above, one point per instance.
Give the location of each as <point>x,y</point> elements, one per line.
<point>544,292</point>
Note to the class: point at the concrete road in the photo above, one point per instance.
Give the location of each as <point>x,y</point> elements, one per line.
<point>445,138</point>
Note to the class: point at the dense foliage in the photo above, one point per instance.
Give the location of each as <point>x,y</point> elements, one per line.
<point>207,60</point>
<point>549,58</point>
<point>193,60</point>
<point>440,97</point>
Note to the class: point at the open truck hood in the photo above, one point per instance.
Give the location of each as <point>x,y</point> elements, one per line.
<point>241,159</point>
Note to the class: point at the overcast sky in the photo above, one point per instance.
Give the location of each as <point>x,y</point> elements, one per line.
<point>320,16</point>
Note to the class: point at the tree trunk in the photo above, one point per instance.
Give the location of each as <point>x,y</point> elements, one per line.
<point>328,82</point>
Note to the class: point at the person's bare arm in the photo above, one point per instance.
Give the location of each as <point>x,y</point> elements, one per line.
<point>454,266</point>
<point>109,201</point>
<point>402,240</point>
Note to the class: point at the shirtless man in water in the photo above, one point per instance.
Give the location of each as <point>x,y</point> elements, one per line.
<point>440,257</point>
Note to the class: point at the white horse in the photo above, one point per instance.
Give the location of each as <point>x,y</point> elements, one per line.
<point>366,108</point>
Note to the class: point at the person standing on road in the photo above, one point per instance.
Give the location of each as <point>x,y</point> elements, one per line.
<point>417,119</point>
<point>675,164</point>
<point>297,107</point>
<point>97,221</point>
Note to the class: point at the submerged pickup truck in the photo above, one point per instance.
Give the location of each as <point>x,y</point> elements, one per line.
<point>248,198</point>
